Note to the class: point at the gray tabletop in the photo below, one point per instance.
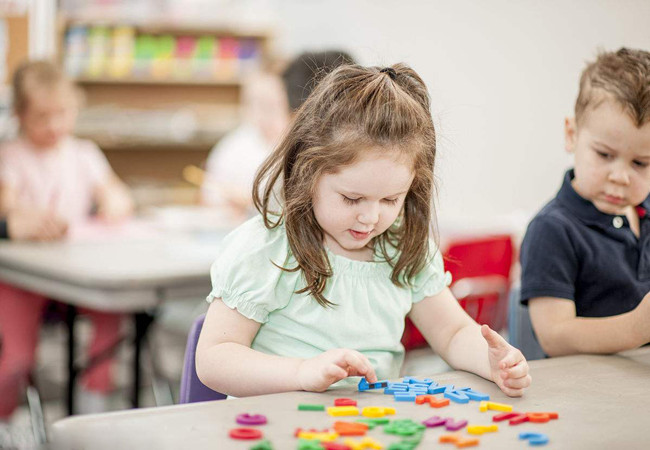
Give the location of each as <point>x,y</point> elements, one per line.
<point>602,401</point>
<point>114,275</point>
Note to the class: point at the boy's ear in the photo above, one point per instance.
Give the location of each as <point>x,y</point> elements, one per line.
<point>570,133</point>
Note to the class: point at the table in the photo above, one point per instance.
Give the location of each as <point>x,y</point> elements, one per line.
<point>127,272</point>
<point>602,401</point>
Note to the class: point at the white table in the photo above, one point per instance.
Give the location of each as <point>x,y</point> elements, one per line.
<point>123,272</point>
<point>603,402</point>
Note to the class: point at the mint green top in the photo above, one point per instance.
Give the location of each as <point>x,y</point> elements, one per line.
<point>370,311</point>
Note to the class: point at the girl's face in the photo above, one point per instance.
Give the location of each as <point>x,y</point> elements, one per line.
<point>360,202</point>
<point>49,116</point>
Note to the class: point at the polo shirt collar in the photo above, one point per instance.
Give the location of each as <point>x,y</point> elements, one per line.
<point>585,210</point>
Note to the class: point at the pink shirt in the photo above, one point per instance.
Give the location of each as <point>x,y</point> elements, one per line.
<point>62,180</point>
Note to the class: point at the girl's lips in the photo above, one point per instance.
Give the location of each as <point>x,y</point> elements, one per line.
<point>358,235</point>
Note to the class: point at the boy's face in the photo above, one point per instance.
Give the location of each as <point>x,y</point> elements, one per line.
<point>49,116</point>
<point>612,158</point>
<point>360,202</point>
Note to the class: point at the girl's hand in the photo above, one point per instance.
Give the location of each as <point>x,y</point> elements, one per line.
<point>508,366</point>
<point>320,372</point>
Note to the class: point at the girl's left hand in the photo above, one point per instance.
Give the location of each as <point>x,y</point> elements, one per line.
<point>508,365</point>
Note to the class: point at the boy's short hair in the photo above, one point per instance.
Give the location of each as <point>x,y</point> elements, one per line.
<point>623,75</point>
<point>306,69</point>
<point>35,73</point>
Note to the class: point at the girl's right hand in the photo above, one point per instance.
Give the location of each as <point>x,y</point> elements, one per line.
<point>320,372</point>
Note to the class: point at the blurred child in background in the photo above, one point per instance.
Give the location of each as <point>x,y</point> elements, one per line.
<point>50,172</point>
<point>269,102</point>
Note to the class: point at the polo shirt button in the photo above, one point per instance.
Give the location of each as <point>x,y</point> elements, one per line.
<point>617,222</point>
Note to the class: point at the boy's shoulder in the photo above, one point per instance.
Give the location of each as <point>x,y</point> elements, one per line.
<point>553,230</point>
<point>556,215</point>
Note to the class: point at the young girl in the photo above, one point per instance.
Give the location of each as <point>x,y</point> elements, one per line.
<point>318,290</point>
<point>48,171</point>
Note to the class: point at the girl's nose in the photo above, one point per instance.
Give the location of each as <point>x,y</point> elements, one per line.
<point>370,215</point>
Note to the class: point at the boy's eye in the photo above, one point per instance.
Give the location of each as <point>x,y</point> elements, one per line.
<point>604,155</point>
<point>350,201</point>
<point>640,164</point>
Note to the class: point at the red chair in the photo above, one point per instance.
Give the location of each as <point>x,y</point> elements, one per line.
<point>480,269</point>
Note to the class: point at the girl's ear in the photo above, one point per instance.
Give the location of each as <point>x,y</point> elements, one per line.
<point>570,133</point>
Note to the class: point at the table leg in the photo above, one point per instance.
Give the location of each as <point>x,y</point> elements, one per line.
<point>71,314</point>
<point>142,322</point>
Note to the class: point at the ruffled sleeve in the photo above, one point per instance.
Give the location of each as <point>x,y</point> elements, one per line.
<point>244,275</point>
<point>432,278</point>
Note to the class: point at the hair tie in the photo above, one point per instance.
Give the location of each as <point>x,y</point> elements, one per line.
<point>390,71</point>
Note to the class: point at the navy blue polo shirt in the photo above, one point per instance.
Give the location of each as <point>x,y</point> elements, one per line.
<point>572,250</point>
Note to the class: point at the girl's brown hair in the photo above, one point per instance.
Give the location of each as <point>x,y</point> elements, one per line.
<point>353,109</point>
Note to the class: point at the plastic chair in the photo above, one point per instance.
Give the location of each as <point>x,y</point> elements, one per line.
<point>520,329</point>
<point>480,269</point>
<point>192,389</point>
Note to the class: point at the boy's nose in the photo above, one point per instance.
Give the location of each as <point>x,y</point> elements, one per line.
<point>619,175</point>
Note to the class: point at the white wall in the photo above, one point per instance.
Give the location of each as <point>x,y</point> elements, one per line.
<point>502,74</point>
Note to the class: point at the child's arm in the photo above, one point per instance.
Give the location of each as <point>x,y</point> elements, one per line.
<point>7,199</point>
<point>113,198</point>
<point>467,346</point>
<point>226,363</point>
<point>24,223</point>
<point>34,225</point>
<point>560,332</point>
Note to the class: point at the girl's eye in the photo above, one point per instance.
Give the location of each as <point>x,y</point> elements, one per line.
<point>604,155</point>
<point>350,201</point>
<point>391,201</point>
<point>640,164</point>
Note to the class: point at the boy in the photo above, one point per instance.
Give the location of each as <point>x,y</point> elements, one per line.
<point>586,255</point>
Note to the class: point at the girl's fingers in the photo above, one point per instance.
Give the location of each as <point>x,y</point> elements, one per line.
<point>518,370</point>
<point>513,392</point>
<point>361,365</point>
<point>517,383</point>
<point>513,358</point>
<point>494,340</point>
<point>337,372</point>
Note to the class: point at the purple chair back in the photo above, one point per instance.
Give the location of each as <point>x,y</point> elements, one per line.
<point>192,390</point>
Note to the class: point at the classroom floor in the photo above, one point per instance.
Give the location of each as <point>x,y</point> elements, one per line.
<point>168,341</point>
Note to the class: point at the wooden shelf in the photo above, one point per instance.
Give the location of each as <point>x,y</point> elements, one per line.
<point>230,82</point>
<point>212,93</point>
<point>109,144</point>
<point>174,27</point>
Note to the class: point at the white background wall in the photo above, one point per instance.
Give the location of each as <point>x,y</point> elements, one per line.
<point>502,74</point>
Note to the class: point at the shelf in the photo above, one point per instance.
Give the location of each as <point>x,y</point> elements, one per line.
<point>232,82</point>
<point>161,26</point>
<point>116,144</point>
